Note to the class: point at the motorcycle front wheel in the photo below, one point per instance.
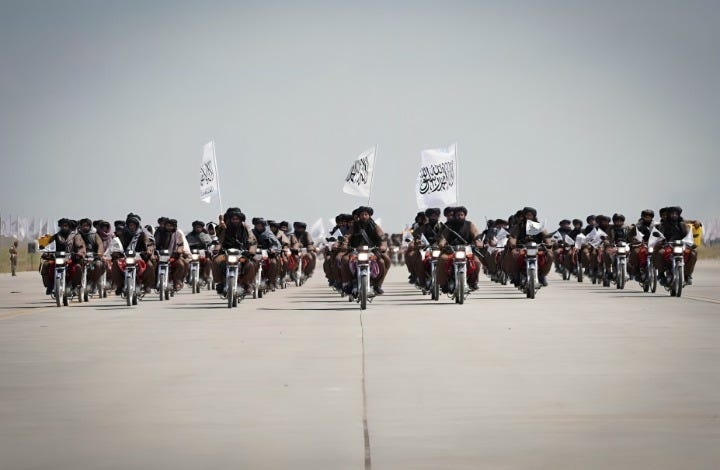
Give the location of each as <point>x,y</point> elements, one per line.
<point>363,292</point>
<point>530,285</point>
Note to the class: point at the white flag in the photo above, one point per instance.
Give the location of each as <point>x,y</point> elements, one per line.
<point>359,178</point>
<point>532,227</point>
<point>208,173</point>
<point>689,240</point>
<point>22,228</point>
<point>655,237</point>
<point>336,234</point>
<point>32,229</point>
<point>557,236</point>
<point>579,240</point>
<point>595,237</point>
<point>115,246</point>
<point>378,222</point>
<point>317,231</point>
<point>424,240</point>
<point>4,226</point>
<point>568,240</point>
<point>436,184</point>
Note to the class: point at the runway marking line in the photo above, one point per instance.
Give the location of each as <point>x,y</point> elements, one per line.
<point>366,432</point>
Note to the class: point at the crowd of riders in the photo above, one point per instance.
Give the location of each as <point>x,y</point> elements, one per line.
<point>271,254</point>
<point>578,249</point>
<point>95,254</point>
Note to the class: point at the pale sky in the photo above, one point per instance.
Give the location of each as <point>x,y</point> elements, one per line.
<point>572,107</point>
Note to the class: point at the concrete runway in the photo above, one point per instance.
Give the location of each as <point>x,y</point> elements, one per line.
<point>582,377</point>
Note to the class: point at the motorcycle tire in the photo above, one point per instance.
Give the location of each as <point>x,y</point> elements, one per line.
<point>231,295</point>
<point>460,290</point>
<point>363,294</point>
<point>58,297</point>
<point>530,285</point>
<point>653,282</point>
<point>679,280</point>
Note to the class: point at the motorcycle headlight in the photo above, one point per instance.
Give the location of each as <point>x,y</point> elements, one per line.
<point>59,261</point>
<point>232,259</point>
<point>678,250</point>
<point>531,251</point>
<point>363,256</point>
<point>129,261</point>
<point>436,253</point>
<point>622,250</point>
<point>90,257</point>
<point>195,256</point>
<point>460,255</point>
<point>164,258</point>
<point>651,249</point>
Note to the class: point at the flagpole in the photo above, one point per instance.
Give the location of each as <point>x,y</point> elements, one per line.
<point>457,175</point>
<point>372,177</point>
<point>218,176</point>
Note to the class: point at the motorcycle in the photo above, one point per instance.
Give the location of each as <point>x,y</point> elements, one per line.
<point>395,250</point>
<point>232,276</point>
<point>260,284</point>
<point>649,281</point>
<point>577,257</point>
<point>88,266</point>
<point>300,262</point>
<point>361,289</point>
<point>195,270</point>
<point>457,284</point>
<point>60,286</point>
<point>676,280</point>
<point>434,287</point>
<point>130,287</point>
<point>531,285</point>
<point>163,275</point>
<point>566,261</point>
<point>620,264</point>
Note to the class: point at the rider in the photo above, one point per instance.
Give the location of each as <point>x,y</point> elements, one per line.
<point>492,256</point>
<point>365,232</point>
<point>106,236</point>
<point>300,238</point>
<point>233,233</point>
<point>577,228</point>
<point>616,233</point>
<point>284,239</point>
<point>64,240</point>
<point>591,224</point>
<point>119,226</point>
<point>673,229</point>
<point>431,231</point>
<point>134,237</point>
<point>334,252</point>
<point>458,231</point>
<point>199,239</point>
<point>560,241</point>
<point>519,236</point>
<point>93,244</point>
<point>168,237</point>
<point>639,236</point>
<point>267,241</point>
